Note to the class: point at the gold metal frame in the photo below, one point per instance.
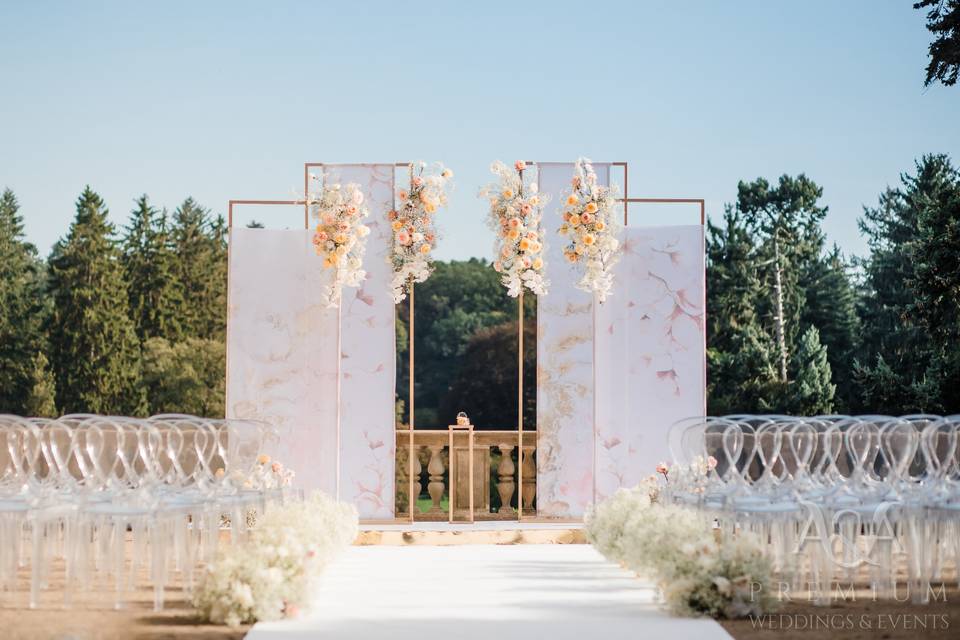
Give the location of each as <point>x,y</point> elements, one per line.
<point>626,200</point>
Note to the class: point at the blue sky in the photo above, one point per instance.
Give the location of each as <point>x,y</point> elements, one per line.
<point>227,100</point>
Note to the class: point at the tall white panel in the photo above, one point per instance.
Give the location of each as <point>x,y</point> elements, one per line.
<point>368,347</point>
<point>281,349</point>
<point>565,372</point>
<point>650,352</point>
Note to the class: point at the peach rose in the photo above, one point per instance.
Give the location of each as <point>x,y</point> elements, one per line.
<point>519,165</point>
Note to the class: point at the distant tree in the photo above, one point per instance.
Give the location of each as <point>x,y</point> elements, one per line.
<point>255,224</point>
<point>943,21</point>
<point>741,369</point>
<point>485,386</point>
<point>23,308</point>
<point>786,219</point>
<point>908,350</point>
<point>185,377</point>
<point>94,346</point>
<point>830,305</point>
<point>459,299</point>
<point>150,268</point>
<point>199,242</point>
<point>41,400</point>
<point>811,392</point>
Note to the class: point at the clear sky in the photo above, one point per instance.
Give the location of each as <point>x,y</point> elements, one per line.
<point>227,100</point>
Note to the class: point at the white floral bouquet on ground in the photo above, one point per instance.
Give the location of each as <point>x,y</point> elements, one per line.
<point>698,571</point>
<point>516,210</point>
<point>275,573</point>
<point>414,234</point>
<point>340,235</point>
<point>267,474</point>
<point>593,227</point>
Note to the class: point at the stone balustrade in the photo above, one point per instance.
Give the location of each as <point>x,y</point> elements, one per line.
<point>495,460</point>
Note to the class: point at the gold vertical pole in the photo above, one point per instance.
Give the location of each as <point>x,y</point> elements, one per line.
<point>520,410</point>
<point>410,412</point>
<point>412,500</point>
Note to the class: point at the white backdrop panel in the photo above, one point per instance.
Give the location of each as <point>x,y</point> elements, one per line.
<point>565,348</point>
<point>368,348</point>
<point>650,352</point>
<point>281,349</point>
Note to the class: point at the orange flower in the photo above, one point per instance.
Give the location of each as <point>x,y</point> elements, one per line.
<point>508,193</point>
<point>588,239</point>
<point>591,207</point>
<point>538,264</point>
<point>424,248</point>
<point>524,244</point>
<point>600,225</point>
<point>572,199</point>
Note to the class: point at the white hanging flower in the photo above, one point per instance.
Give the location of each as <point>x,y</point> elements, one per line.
<point>339,237</point>
<point>414,232</point>
<point>515,216</point>
<point>592,225</point>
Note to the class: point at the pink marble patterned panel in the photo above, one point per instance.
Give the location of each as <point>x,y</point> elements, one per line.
<point>565,371</point>
<point>650,353</point>
<point>368,345</point>
<point>281,349</point>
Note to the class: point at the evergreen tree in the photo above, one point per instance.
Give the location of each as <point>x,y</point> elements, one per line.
<point>811,392</point>
<point>943,21</point>
<point>94,347</point>
<point>40,401</point>
<point>785,219</point>
<point>185,377</point>
<point>22,308</point>
<point>201,265</point>
<point>150,267</point>
<point>741,373</point>
<point>830,305</point>
<point>900,367</point>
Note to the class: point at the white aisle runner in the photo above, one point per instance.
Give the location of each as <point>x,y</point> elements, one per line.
<point>550,592</point>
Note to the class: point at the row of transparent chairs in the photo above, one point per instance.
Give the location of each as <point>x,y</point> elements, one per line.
<point>828,495</point>
<point>113,495</point>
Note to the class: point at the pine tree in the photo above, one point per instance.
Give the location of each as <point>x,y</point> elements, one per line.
<point>899,366</point>
<point>786,220</point>
<point>23,308</point>
<point>40,402</point>
<point>741,373</point>
<point>94,347</point>
<point>201,265</point>
<point>811,392</point>
<point>830,305</point>
<point>150,270</point>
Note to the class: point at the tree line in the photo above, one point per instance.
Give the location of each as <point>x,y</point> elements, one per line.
<point>132,321</point>
<point>795,327</point>
<point>128,323</point>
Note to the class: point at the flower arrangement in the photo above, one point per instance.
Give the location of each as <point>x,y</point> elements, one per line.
<point>516,210</point>
<point>340,235</point>
<point>273,574</point>
<point>414,235</point>
<point>593,228</point>
<point>267,474</point>
<point>697,571</point>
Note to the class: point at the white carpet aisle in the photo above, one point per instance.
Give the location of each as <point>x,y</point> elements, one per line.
<point>528,592</point>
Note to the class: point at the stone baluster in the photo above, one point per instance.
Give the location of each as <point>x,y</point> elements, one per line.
<point>529,478</point>
<point>505,483</point>
<point>417,470</point>
<point>436,468</point>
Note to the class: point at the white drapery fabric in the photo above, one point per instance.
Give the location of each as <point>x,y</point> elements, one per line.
<point>281,349</point>
<point>368,350</point>
<point>282,353</point>
<point>649,352</point>
<point>565,366</point>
